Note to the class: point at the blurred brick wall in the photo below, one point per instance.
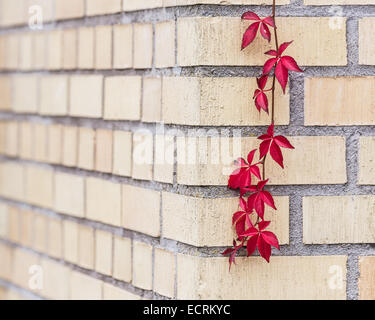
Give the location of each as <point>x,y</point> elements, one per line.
<point>103,191</point>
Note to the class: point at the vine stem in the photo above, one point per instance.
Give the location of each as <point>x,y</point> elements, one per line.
<point>273,81</point>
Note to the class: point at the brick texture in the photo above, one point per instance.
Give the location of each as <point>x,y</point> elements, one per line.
<point>302,278</point>
<point>120,123</point>
<point>341,219</point>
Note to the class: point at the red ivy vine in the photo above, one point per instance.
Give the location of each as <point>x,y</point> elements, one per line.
<point>249,222</point>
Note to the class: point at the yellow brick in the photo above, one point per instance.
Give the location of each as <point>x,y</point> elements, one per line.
<point>141,210</point>
<point>46,6</point>
<point>165,44</point>
<point>337,2</point>
<point>25,59</point>
<point>103,47</point>
<point>170,3</point>
<point>26,140</point>
<point>86,148</point>
<point>122,153</point>
<point>55,280</point>
<point>366,160</point>
<point>55,135</point>
<point>200,161</point>
<point>40,142</point>
<point>4,220</point>
<point>164,272</point>
<point>86,42</point>
<point>27,228</point>
<point>86,96</point>
<point>122,98</point>
<point>3,127</point>
<point>340,219</point>
<point>39,186</point>
<point>55,240</point>
<point>339,96</point>
<point>151,100</point>
<point>54,95</point>
<point>6,266</point>
<point>142,155</point>
<point>103,252</point>
<point>210,41</point>
<point>69,194</point>
<point>142,265</point>
<point>122,259</point>
<point>133,5</point>
<point>315,153</point>
<point>12,12</point>
<point>164,158</point>
<point>14,224</point>
<point>11,52</point>
<point>25,264</point>
<point>83,287</point>
<point>40,232</point>
<point>208,222</point>
<point>12,182</point>
<point>289,278</point>
<point>40,51</point>
<point>103,151</point>
<point>68,9</point>
<point>367,278</point>
<point>69,49</point>
<point>107,207</point>
<point>217,101</point>
<point>122,46</point>
<point>97,7</point>
<point>54,49</point>
<point>111,292</point>
<point>69,146</point>
<point>143,44</point>
<point>5,93</point>
<point>86,247</point>
<point>366,46</point>
<point>11,139</point>
<point>70,236</point>
<point>25,94</point>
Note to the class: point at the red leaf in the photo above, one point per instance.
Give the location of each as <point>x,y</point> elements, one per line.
<point>283,47</point>
<point>250,232</point>
<point>250,16</point>
<point>270,238</point>
<point>271,53</point>
<point>269,65</point>
<point>261,102</point>
<point>251,245</point>
<point>269,21</point>
<point>240,227</point>
<point>276,154</point>
<point>250,156</point>
<point>263,225</point>
<point>250,35</point>
<point>243,204</point>
<point>262,81</point>
<point>265,32</point>
<point>268,199</point>
<point>290,64</point>
<point>261,184</point>
<point>237,215</point>
<point>282,75</point>
<point>255,171</point>
<point>264,249</point>
<point>270,130</point>
<point>283,142</point>
<point>263,148</point>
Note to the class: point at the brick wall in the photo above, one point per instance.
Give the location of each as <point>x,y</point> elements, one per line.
<point>106,190</point>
